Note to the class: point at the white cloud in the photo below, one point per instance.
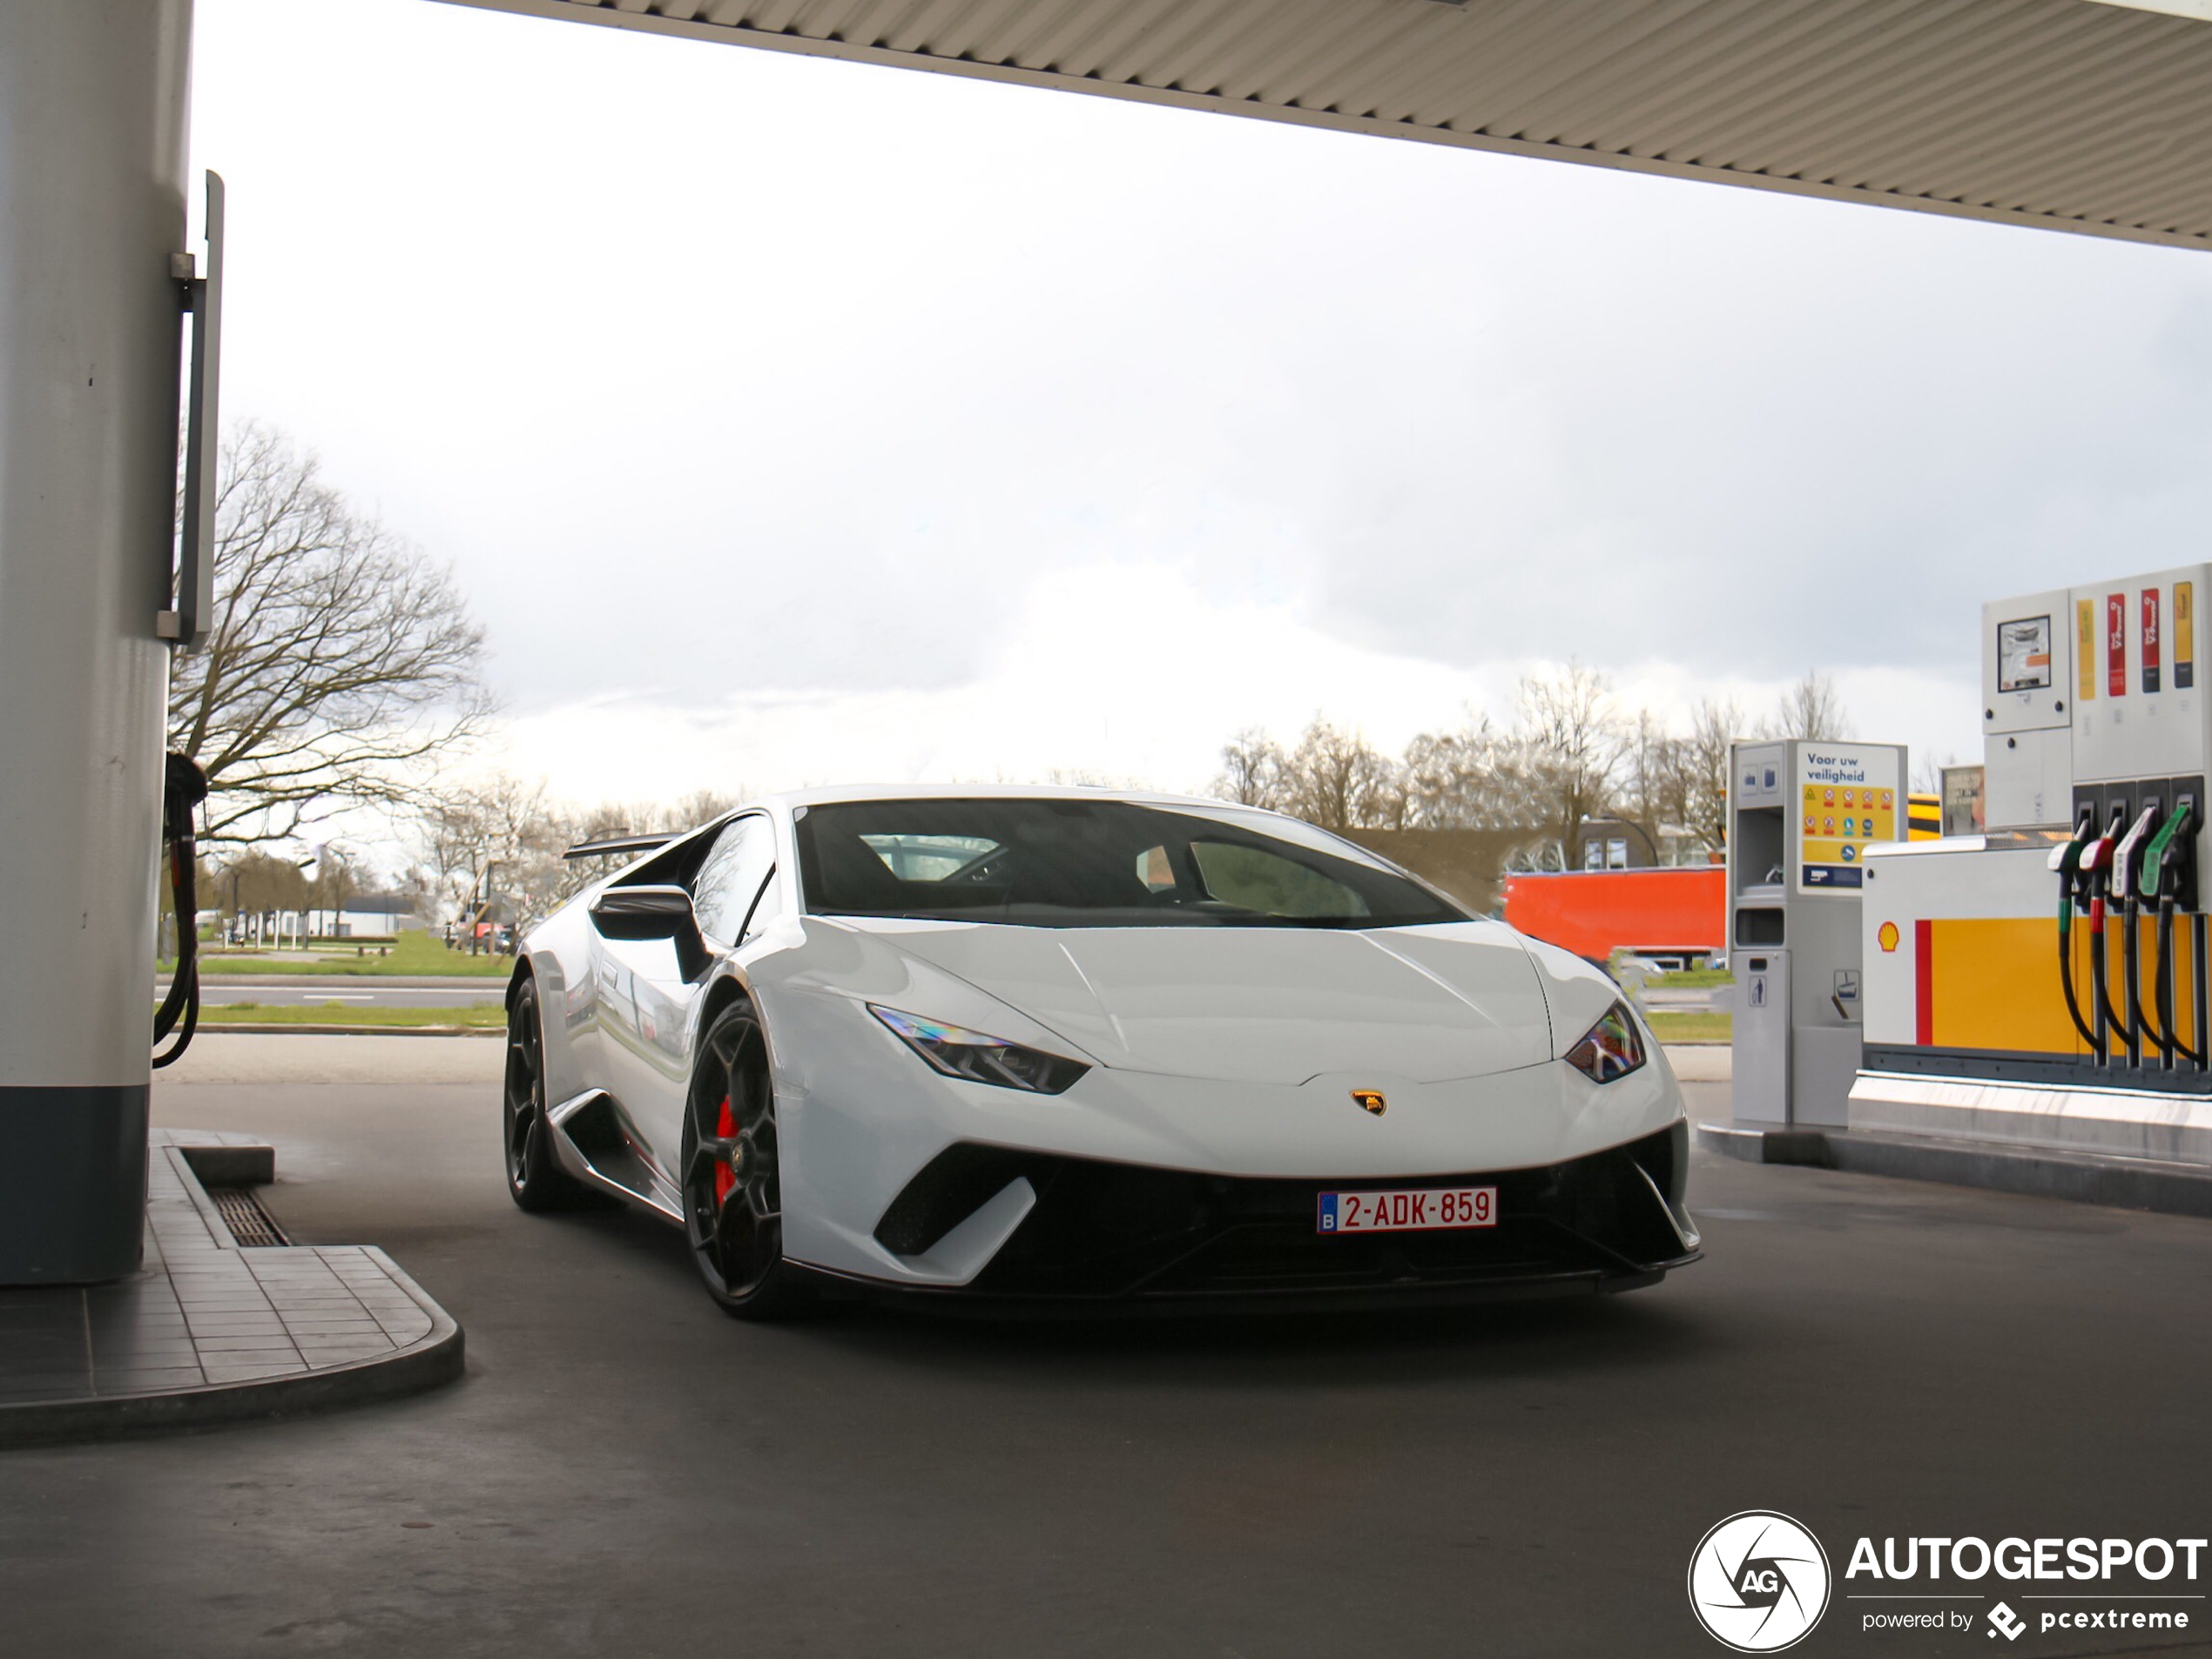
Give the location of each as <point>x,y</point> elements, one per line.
<point>792,420</point>
<point>1122,670</point>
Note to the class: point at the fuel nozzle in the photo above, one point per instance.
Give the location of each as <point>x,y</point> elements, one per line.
<point>2067,861</point>
<point>2127,864</point>
<point>2167,859</point>
<point>2127,860</point>
<point>2097,866</point>
<point>2083,865</point>
<point>2096,857</point>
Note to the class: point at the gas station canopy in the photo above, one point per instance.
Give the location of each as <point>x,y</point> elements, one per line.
<point>2092,116</point>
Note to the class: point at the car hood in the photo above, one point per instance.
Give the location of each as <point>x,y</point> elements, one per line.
<point>1275,1005</point>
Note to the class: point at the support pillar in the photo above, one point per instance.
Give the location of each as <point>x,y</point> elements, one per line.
<point>93,152</point>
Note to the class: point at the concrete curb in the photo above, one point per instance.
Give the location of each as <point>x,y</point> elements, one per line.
<point>187,1234</point>
<point>2034,1172</point>
<point>1802,1146</point>
<point>435,1359</point>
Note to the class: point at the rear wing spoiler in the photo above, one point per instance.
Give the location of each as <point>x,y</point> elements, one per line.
<point>615,845</point>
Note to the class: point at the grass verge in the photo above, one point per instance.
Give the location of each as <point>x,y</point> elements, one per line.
<point>1669,1026</point>
<point>484,1016</point>
<point>413,952</point>
<point>1690,979</point>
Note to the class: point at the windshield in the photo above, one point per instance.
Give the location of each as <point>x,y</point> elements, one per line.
<point>1097,864</point>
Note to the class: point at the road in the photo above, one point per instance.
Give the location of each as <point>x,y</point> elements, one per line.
<point>625,1470</point>
<point>364,990</point>
<point>1698,999</point>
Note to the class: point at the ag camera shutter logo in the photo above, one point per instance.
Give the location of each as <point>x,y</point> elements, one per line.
<point>1758,1582</point>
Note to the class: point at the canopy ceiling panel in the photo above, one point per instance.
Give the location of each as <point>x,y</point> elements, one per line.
<point>2066,114</point>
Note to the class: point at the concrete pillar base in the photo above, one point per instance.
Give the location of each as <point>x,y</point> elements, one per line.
<point>72,1182</point>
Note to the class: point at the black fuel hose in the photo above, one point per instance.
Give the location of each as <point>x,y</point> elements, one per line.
<point>2162,991</point>
<point>2154,883</point>
<point>2131,977</point>
<point>2108,1020</point>
<point>183,786</point>
<point>2069,882</point>
<point>2169,902</point>
<point>2106,1016</point>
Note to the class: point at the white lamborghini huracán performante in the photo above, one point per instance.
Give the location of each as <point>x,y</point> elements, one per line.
<point>1055,1049</point>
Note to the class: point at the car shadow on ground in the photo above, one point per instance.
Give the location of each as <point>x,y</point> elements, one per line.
<point>1578,1334</point>
<point>1332,1349</point>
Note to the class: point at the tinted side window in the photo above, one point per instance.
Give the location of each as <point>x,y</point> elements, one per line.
<point>743,855</point>
<point>1252,879</point>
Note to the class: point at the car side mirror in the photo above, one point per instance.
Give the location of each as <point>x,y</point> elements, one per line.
<point>656,913</point>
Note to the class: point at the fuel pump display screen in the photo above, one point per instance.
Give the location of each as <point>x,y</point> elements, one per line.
<point>2024,654</point>
<point>1848,798</point>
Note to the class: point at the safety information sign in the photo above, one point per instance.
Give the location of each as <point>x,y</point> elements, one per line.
<point>2024,654</point>
<point>1849,797</point>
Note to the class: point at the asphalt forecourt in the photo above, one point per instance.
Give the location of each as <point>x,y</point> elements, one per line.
<point>623,1467</point>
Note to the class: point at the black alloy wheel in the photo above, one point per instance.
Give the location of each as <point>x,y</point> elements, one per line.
<point>733,1186</point>
<point>535,1178</point>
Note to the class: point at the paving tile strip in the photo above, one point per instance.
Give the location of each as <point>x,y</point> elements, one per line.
<point>208,1333</point>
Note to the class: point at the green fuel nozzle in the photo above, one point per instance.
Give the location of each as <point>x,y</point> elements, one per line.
<point>2164,849</point>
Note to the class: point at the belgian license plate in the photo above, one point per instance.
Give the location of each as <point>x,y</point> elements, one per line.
<point>1408,1209</point>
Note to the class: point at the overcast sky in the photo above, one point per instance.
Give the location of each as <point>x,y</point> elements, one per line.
<point>790,421</point>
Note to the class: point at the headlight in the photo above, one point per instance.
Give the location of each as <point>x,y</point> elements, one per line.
<point>1612,1048</point>
<point>978,1059</point>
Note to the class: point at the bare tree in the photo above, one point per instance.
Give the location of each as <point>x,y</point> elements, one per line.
<point>340,657</point>
<point>1713,726</point>
<point>479,839</point>
<point>1574,740</point>
<point>336,878</point>
<point>1810,710</point>
<point>692,810</point>
<point>1251,770</point>
<point>1340,781</point>
<point>254,881</point>
<point>501,838</point>
<point>1472,778</point>
<point>1654,782</point>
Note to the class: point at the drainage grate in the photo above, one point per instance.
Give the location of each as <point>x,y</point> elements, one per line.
<point>251,1226</point>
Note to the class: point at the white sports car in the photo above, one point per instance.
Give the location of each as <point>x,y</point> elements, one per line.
<point>1056,1048</point>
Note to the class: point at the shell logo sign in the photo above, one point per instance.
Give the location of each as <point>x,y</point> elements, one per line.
<point>1887,936</point>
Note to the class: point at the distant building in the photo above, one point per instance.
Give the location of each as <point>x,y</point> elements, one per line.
<point>1620,844</point>
<point>367,914</point>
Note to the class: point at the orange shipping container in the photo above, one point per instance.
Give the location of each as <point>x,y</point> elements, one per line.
<point>1681,911</point>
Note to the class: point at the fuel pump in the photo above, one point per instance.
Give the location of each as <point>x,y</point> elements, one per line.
<point>183,786</point>
<point>2096,708</point>
<point>2142,868</point>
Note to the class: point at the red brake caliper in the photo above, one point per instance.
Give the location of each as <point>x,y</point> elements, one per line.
<point>724,1176</point>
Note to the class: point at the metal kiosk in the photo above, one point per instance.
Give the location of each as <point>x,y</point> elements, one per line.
<point>1801,816</point>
